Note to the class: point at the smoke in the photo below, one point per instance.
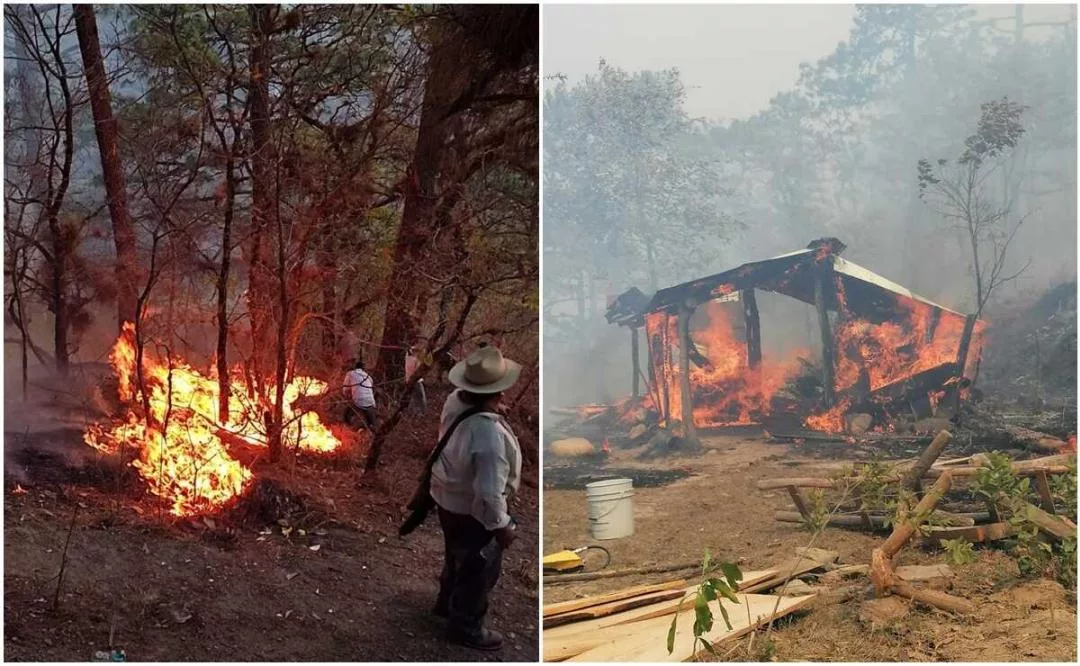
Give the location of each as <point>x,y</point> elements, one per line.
<point>833,155</point>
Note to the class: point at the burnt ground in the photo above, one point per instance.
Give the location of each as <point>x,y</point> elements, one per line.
<point>719,508</point>
<point>339,586</point>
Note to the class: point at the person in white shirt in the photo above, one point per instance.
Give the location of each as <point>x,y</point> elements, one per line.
<point>359,390</point>
<point>471,482</point>
<point>419,396</point>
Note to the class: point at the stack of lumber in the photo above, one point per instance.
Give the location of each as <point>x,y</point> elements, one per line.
<point>633,624</point>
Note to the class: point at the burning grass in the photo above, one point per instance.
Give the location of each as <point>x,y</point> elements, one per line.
<point>182,450</point>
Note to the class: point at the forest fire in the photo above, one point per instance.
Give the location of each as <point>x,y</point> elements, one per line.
<point>182,449</point>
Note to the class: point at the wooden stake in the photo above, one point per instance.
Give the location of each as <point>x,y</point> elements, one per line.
<point>903,531</point>
<point>796,497</point>
<point>1046,498</point>
<point>63,559</point>
<point>926,460</point>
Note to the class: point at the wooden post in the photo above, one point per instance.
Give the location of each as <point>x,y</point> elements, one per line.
<point>753,327</point>
<point>965,342</point>
<point>665,368</point>
<point>634,360</point>
<point>689,431</point>
<point>821,281</point>
<point>797,498</point>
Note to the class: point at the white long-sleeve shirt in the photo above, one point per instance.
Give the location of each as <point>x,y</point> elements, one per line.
<point>359,387</point>
<point>480,468</point>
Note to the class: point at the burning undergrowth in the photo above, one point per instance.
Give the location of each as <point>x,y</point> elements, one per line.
<point>183,453</point>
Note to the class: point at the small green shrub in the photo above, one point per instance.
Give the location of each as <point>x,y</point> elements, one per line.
<point>711,589</point>
<point>958,551</point>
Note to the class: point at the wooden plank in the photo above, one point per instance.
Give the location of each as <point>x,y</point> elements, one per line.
<point>649,642</point>
<point>1056,526</point>
<point>600,599</point>
<point>603,610</point>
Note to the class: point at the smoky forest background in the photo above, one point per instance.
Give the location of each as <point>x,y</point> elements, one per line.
<point>279,189</point>
<point>938,144</point>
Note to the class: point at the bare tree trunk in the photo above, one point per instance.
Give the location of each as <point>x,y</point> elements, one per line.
<point>418,218</point>
<point>108,146</point>
<point>262,196</point>
<point>223,292</point>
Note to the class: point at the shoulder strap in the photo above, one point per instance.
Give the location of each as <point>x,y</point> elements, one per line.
<point>437,451</point>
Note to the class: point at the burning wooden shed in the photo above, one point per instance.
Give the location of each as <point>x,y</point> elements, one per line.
<point>885,351</point>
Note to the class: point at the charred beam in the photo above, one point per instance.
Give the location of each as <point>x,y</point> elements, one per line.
<point>965,342</point>
<point>753,327</point>
<point>634,360</point>
<point>689,431</point>
<point>822,288</point>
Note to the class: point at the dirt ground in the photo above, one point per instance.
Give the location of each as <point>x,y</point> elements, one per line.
<point>719,508</point>
<point>345,589</point>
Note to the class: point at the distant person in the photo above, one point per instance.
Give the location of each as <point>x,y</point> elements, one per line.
<point>419,396</point>
<point>359,390</point>
<point>471,483</point>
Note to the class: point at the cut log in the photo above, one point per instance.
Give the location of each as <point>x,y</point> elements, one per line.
<point>1033,439</point>
<point>933,598</point>
<point>597,600</point>
<point>881,572</point>
<point>1058,527</point>
<point>835,520</point>
<point>803,482</point>
<point>976,534</point>
<point>913,476</point>
<point>916,573</point>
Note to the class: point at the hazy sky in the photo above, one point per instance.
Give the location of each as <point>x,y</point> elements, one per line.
<point>733,58</point>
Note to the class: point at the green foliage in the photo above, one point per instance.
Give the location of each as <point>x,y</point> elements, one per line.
<point>998,485</point>
<point>711,589</point>
<point>872,485</point>
<point>958,551</point>
<point>818,510</point>
<point>1063,490</point>
<point>1065,563</point>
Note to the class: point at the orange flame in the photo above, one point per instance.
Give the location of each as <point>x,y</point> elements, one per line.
<point>895,350</point>
<point>181,454</point>
<point>726,390</point>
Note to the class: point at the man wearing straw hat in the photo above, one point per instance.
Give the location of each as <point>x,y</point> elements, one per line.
<point>471,481</point>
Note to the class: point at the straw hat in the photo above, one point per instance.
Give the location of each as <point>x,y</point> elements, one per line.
<point>485,371</point>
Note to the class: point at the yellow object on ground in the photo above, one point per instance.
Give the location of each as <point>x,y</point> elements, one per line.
<point>563,560</point>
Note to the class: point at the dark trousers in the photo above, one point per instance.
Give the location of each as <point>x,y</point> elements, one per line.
<point>366,414</point>
<point>473,563</point>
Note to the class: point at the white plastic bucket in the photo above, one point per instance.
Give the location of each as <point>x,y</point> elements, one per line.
<point>611,508</point>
